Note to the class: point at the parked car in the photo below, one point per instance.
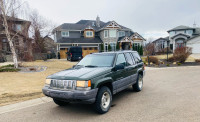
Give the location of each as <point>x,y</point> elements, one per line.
<point>74,54</point>
<point>96,78</point>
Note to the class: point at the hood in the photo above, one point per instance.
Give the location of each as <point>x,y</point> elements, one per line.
<point>84,73</point>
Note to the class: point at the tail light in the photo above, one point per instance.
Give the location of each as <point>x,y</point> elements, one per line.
<point>71,54</point>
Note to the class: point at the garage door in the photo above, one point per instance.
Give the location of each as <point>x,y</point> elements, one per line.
<point>63,54</point>
<point>88,50</point>
<point>196,48</point>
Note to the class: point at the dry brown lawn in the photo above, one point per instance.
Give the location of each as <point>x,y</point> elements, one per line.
<point>16,86</point>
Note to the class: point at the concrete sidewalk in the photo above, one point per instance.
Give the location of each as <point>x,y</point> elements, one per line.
<point>25,104</point>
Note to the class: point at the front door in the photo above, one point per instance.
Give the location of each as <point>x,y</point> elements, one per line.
<point>126,45</point>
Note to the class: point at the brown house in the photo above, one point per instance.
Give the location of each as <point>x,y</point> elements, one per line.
<point>19,34</point>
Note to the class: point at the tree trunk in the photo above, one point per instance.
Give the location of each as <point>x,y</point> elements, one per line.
<point>14,55</point>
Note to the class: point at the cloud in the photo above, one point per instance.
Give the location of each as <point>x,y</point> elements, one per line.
<point>147,17</point>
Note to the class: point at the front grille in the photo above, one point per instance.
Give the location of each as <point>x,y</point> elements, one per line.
<point>63,84</point>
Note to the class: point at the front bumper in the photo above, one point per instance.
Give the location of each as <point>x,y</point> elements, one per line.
<point>88,96</point>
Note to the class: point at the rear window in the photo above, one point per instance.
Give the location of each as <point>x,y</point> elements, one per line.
<point>137,57</point>
<point>76,50</point>
<point>129,59</point>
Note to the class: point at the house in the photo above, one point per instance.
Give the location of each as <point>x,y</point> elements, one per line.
<point>19,34</point>
<point>91,34</point>
<point>161,44</point>
<point>181,36</point>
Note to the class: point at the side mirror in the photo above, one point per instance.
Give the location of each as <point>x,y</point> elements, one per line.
<point>118,67</point>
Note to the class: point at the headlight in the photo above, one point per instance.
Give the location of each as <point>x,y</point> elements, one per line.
<point>84,84</point>
<point>48,81</point>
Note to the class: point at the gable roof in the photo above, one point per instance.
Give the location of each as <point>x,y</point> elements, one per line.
<point>80,40</point>
<point>180,34</point>
<point>166,39</point>
<point>82,24</point>
<point>181,27</point>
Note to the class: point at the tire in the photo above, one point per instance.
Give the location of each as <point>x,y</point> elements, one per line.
<point>99,106</point>
<point>60,103</point>
<point>139,84</point>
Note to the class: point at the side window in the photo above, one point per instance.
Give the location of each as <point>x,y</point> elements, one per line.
<point>121,59</point>
<point>128,59</point>
<point>133,59</point>
<point>136,57</point>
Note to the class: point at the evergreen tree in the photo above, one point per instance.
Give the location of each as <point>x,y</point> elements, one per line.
<point>109,47</point>
<point>117,46</point>
<point>141,50</point>
<point>102,47</point>
<point>138,48</point>
<point>133,47</point>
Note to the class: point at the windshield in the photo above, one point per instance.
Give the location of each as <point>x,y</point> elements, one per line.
<point>97,61</point>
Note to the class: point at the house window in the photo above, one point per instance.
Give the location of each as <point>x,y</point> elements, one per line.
<point>65,33</point>
<point>105,33</point>
<point>89,33</point>
<point>105,47</point>
<point>121,33</point>
<point>112,33</point>
<point>172,33</point>
<point>113,46</point>
<point>18,27</point>
<point>189,32</point>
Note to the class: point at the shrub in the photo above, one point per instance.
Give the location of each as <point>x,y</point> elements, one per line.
<point>9,70</point>
<point>178,64</point>
<point>152,59</point>
<point>167,65</point>
<point>181,54</point>
<point>197,60</point>
<point>10,65</point>
<point>171,59</point>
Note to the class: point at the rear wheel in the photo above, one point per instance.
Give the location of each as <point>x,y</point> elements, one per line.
<point>139,84</point>
<point>103,100</point>
<point>59,102</point>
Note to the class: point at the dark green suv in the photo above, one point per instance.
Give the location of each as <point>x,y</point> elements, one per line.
<point>96,78</point>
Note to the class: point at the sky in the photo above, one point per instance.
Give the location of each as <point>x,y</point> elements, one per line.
<point>150,18</point>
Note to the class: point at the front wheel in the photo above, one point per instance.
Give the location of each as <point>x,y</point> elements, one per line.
<point>139,84</point>
<point>103,100</point>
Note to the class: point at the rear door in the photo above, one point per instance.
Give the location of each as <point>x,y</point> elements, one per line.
<point>119,75</point>
<point>131,69</point>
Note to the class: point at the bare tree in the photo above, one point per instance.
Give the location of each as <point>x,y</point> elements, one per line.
<point>150,49</point>
<point>40,28</point>
<point>8,9</point>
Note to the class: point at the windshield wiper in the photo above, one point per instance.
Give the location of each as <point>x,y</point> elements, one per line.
<point>90,66</point>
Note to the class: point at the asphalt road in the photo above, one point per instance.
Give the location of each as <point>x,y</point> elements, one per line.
<point>171,94</point>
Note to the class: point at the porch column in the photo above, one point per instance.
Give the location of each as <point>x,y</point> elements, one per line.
<point>130,46</point>
<point>120,45</point>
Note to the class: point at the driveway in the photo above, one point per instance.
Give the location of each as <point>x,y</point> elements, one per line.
<point>171,94</point>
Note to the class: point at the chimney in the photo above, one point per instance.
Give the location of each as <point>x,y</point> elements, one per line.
<point>98,21</point>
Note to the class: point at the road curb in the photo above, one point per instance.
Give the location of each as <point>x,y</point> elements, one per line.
<point>25,104</point>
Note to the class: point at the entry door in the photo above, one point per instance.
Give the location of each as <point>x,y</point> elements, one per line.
<point>131,69</point>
